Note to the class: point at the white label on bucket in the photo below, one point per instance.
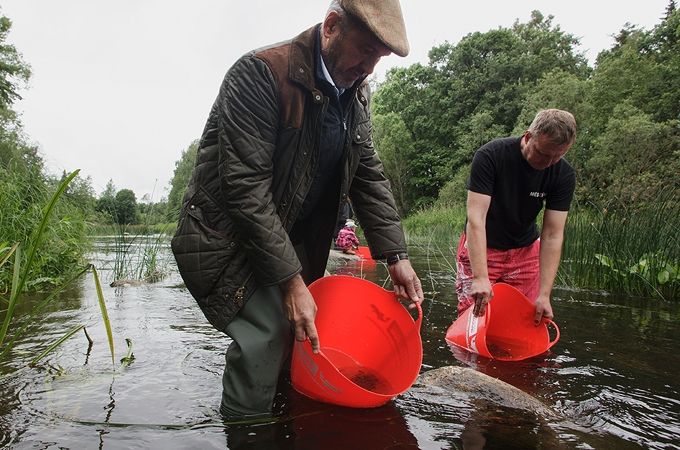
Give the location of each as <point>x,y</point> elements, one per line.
<point>471,333</point>
<point>472,325</point>
<point>473,344</point>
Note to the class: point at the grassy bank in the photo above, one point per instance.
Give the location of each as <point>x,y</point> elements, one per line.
<point>618,249</point>
<point>64,242</point>
<point>624,250</point>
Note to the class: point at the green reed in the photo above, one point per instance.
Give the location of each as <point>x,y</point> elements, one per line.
<point>439,224</point>
<point>138,256</point>
<point>623,249</point>
<point>138,249</point>
<point>21,272</point>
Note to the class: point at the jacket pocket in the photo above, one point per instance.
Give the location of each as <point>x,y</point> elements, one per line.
<point>202,250</point>
<point>362,134</point>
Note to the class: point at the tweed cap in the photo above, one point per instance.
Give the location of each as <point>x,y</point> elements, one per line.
<point>384,19</point>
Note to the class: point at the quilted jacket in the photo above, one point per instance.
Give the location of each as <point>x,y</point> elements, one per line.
<point>254,166</point>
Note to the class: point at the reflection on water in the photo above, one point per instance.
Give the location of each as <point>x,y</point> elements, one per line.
<point>611,380</point>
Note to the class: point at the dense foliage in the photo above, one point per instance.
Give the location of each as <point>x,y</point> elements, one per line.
<point>180,179</point>
<point>429,119</point>
<point>25,189</point>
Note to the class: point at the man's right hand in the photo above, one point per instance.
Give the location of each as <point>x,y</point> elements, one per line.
<point>301,310</point>
<point>481,292</point>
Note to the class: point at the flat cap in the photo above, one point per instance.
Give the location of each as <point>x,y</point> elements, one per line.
<point>384,19</point>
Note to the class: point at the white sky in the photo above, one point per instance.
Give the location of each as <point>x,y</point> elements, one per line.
<point>120,88</point>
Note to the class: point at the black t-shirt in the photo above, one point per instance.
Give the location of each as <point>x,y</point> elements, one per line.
<point>518,191</point>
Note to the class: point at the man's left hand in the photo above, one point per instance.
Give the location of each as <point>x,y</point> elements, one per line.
<point>406,282</point>
<point>543,309</point>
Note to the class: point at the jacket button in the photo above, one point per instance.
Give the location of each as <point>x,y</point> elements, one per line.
<point>301,70</point>
<point>284,204</point>
<point>317,97</point>
<point>192,206</point>
<point>358,136</point>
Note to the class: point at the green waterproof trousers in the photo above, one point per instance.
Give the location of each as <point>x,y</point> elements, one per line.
<point>262,342</point>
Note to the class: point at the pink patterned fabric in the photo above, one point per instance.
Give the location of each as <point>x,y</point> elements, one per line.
<point>517,267</point>
<point>346,239</point>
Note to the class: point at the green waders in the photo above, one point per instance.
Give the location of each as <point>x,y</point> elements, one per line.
<point>262,342</point>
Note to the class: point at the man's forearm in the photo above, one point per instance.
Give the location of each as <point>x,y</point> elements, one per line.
<point>551,251</point>
<point>476,244</point>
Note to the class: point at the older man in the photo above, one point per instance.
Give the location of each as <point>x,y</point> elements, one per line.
<point>511,180</point>
<point>288,140</point>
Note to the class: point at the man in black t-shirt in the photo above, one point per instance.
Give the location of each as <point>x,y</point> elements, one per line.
<point>511,180</point>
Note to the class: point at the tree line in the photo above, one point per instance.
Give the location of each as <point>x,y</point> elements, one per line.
<point>428,121</point>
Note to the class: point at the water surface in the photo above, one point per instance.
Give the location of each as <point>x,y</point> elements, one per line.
<point>612,378</point>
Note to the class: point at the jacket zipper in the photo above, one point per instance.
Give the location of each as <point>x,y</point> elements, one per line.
<point>309,159</point>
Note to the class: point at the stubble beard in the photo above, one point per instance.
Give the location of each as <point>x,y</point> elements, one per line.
<point>330,57</point>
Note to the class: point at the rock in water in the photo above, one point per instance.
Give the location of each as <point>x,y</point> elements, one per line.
<point>482,386</point>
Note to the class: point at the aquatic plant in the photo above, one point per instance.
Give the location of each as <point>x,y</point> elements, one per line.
<point>439,224</point>
<point>624,250</point>
<point>64,242</point>
<point>21,275</point>
<point>137,251</point>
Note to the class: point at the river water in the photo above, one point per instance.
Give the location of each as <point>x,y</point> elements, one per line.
<point>612,379</point>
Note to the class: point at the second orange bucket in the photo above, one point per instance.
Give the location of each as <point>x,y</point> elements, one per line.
<point>371,350</point>
<point>506,331</point>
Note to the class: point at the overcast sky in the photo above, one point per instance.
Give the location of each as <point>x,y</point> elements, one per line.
<point>120,88</point>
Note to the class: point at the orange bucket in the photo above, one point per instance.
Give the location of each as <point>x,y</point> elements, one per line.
<point>367,260</point>
<point>506,331</point>
<point>371,349</point>
<point>364,252</point>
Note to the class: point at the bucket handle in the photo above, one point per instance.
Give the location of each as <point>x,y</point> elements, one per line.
<point>418,322</point>
<point>557,330</point>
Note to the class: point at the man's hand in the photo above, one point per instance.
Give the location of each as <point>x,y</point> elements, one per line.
<point>300,310</point>
<point>543,309</point>
<point>406,282</point>
<point>481,292</point>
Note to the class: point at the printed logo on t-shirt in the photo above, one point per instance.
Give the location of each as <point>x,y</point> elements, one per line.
<point>537,194</point>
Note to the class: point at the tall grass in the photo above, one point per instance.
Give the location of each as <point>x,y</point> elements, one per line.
<point>621,249</point>
<point>624,249</point>
<point>21,272</point>
<point>138,257</point>
<point>438,224</point>
<point>64,240</point>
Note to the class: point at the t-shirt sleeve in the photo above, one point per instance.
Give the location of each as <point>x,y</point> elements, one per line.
<point>482,173</point>
<point>560,200</point>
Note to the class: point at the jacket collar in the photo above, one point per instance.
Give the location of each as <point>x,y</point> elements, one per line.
<point>303,59</point>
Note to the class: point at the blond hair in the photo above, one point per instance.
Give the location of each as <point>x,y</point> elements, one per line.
<point>559,125</point>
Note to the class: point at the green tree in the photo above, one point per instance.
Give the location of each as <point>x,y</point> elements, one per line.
<point>126,207</point>
<point>25,188</point>
<point>180,179</point>
<point>471,91</point>
<point>80,193</point>
<point>14,72</point>
<point>106,204</point>
<point>394,144</point>
<point>634,159</point>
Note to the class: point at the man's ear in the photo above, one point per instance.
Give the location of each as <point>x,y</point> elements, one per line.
<point>331,24</point>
